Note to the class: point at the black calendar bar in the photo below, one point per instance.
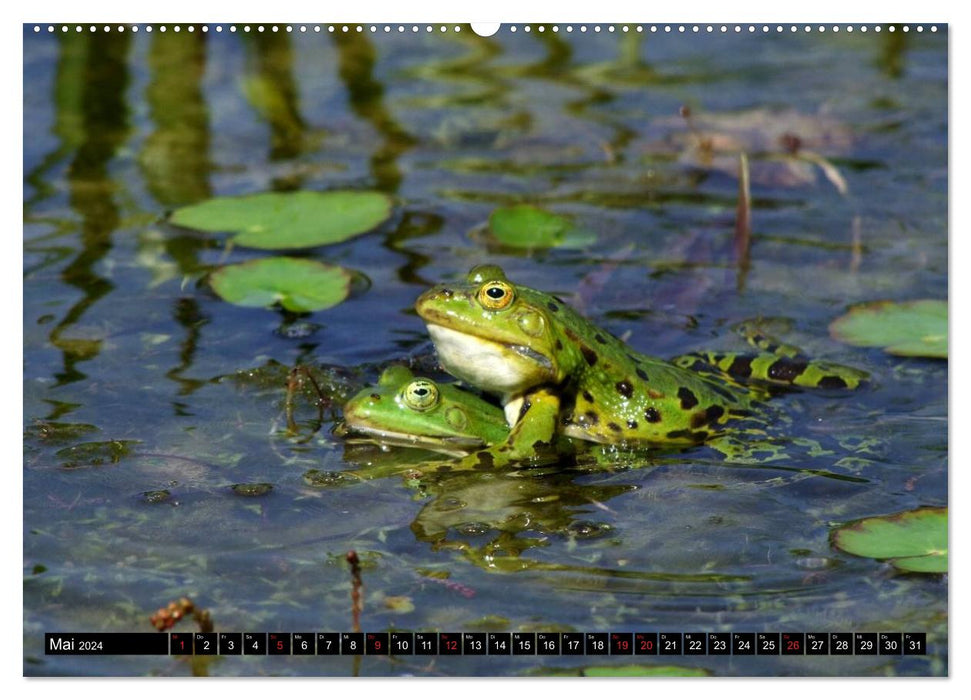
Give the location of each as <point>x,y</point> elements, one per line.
<point>105,643</point>
<point>488,644</point>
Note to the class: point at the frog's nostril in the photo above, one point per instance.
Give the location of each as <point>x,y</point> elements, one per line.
<point>447,293</point>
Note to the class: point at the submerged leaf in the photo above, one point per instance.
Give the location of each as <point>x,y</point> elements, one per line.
<point>914,540</point>
<point>276,220</point>
<point>913,328</point>
<point>296,284</point>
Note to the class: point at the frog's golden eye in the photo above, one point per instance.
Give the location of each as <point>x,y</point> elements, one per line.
<point>496,295</point>
<point>421,395</point>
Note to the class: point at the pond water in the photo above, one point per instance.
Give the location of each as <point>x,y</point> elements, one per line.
<point>147,397</point>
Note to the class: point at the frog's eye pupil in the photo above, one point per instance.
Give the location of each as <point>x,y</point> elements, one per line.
<point>421,395</point>
<point>495,295</point>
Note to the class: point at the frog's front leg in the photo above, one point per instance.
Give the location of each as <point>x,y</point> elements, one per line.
<point>532,439</point>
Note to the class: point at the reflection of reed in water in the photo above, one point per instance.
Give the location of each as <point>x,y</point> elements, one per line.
<point>271,90</point>
<point>92,122</point>
<point>356,60</point>
<point>175,156</point>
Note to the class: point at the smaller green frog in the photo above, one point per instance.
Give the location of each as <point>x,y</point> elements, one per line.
<point>409,411</point>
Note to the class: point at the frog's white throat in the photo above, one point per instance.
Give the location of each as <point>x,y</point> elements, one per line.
<point>491,366</point>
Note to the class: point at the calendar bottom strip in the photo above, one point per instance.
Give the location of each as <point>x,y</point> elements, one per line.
<point>488,643</point>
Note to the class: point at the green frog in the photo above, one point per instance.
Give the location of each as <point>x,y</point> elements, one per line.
<point>405,410</point>
<point>558,374</point>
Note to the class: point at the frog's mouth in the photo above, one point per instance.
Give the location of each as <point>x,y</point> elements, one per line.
<point>361,433</point>
<point>489,364</point>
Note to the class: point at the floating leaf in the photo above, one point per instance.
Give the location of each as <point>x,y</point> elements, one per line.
<point>914,540</point>
<point>296,284</point>
<point>275,220</point>
<point>526,226</point>
<point>400,604</point>
<point>251,490</point>
<point>912,328</point>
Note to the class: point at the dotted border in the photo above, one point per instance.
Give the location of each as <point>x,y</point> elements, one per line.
<point>511,28</point>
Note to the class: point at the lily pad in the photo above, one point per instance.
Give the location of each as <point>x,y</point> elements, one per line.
<point>912,328</point>
<point>278,220</point>
<point>297,285</point>
<point>915,540</point>
<point>526,226</point>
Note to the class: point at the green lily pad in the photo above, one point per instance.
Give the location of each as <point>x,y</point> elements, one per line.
<point>915,540</point>
<point>277,220</point>
<point>296,284</point>
<point>912,328</point>
<point>526,226</point>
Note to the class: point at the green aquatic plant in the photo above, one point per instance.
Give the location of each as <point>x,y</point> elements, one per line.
<point>526,226</point>
<point>910,328</point>
<point>279,220</point>
<point>296,284</point>
<point>913,541</point>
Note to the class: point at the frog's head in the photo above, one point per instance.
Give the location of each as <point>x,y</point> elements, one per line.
<point>403,409</point>
<point>491,333</point>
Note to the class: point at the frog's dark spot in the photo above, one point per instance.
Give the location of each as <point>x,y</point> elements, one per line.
<point>713,413</point>
<point>625,388</point>
<point>632,424</point>
<point>655,394</point>
<point>571,335</point>
<point>740,413</point>
<point>592,417</point>
<point>709,415</point>
<point>695,435</point>
<point>486,460</point>
<point>589,355</point>
<point>375,397</point>
<point>524,409</point>
<point>559,344</point>
<point>831,382</point>
<point>642,374</point>
<point>587,396</point>
<point>613,426</point>
<point>688,399</point>
<point>741,366</point>
<point>651,415</point>
<point>553,307</point>
<point>600,339</point>
<point>786,370</point>
<point>441,468</point>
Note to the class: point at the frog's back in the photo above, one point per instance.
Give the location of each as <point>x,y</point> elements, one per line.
<point>622,396</point>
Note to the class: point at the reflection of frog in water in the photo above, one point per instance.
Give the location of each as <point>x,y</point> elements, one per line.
<point>558,374</point>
